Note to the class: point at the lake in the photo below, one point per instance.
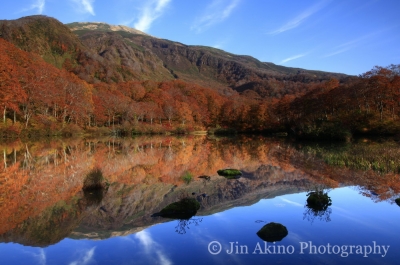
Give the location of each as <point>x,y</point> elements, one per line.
<point>46,218</point>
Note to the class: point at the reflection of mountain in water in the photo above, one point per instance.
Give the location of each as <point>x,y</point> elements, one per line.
<point>128,212</point>
<point>145,176</point>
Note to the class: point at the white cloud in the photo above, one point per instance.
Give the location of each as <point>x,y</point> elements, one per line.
<point>292,202</point>
<point>38,5</point>
<point>145,238</point>
<point>216,12</point>
<point>152,247</point>
<point>41,256</point>
<point>298,20</point>
<point>353,43</point>
<point>150,12</point>
<point>85,6</point>
<point>293,58</point>
<point>87,257</point>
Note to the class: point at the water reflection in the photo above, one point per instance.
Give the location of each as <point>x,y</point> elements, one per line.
<point>41,183</point>
<point>318,205</point>
<point>184,224</point>
<point>272,232</point>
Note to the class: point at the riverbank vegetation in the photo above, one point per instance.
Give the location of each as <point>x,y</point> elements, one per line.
<point>38,99</point>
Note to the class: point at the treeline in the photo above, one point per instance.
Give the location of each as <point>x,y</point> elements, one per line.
<point>367,105</point>
<point>38,98</point>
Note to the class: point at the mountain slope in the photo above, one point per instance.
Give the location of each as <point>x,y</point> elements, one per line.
<point>42,35</point>
<point>206,66</point>
<point>98,52</point>
<point>117,61</point>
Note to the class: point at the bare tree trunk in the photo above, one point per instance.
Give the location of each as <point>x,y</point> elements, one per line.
<point>5,158</point>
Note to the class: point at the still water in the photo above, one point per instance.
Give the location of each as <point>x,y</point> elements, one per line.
<point>47,219</point>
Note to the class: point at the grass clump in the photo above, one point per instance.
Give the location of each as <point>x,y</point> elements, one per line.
<point>187,177</point>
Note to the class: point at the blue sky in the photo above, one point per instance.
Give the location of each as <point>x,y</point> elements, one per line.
<point>347,36</point>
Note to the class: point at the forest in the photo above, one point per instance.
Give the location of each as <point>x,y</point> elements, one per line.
<point>38,98</point>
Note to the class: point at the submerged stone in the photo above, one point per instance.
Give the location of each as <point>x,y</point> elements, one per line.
<point>397,201</point>
<point>272,232</point>
<point>183,209</point>
<point>230,173</point>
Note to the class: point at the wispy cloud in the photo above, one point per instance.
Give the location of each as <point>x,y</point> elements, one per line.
<point>40,257</point>
<point>85,6</point>
<point>87,257</point>
<point>216,12</point>
<point>150,12</point>
<point>355,43</point>
<point>293,58</point>
<point>292,202</point>
<point>298,20</point>
<point>38,5</point>
<point>152,247</point>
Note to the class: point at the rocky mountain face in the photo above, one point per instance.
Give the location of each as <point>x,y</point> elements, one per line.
<point>98,52</point>
<point>202,65</point>
<point>98,26</point>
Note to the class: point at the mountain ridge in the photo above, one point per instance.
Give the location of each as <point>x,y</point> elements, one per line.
<point>99,52</point>
<point>208,66</point>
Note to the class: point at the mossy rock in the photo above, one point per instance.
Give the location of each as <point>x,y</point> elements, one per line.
<point>230,173</point>
<point>183,209</point>
<point>318,200</point>
<point>397,201</point>
<point>272,232</point>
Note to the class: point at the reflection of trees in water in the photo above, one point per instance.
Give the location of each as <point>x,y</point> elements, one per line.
<point>184,224</point>
<point>377,195</point>
<point>317,206</point>
<point>169,154</point>
<point>311,214</point>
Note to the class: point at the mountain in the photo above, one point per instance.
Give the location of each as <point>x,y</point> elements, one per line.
<point>206,66</point>
<point>98,26</point>
<point>57,45</point>
<point>98,52</point>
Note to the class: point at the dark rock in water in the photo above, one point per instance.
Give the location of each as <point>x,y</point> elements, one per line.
<point>272,232</point>
<point>193,193</point>
<point>183,209</point>
<point>230,173</point>
<point>397,201</point>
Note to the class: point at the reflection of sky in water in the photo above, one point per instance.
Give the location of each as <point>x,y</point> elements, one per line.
<point>355,220</point>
